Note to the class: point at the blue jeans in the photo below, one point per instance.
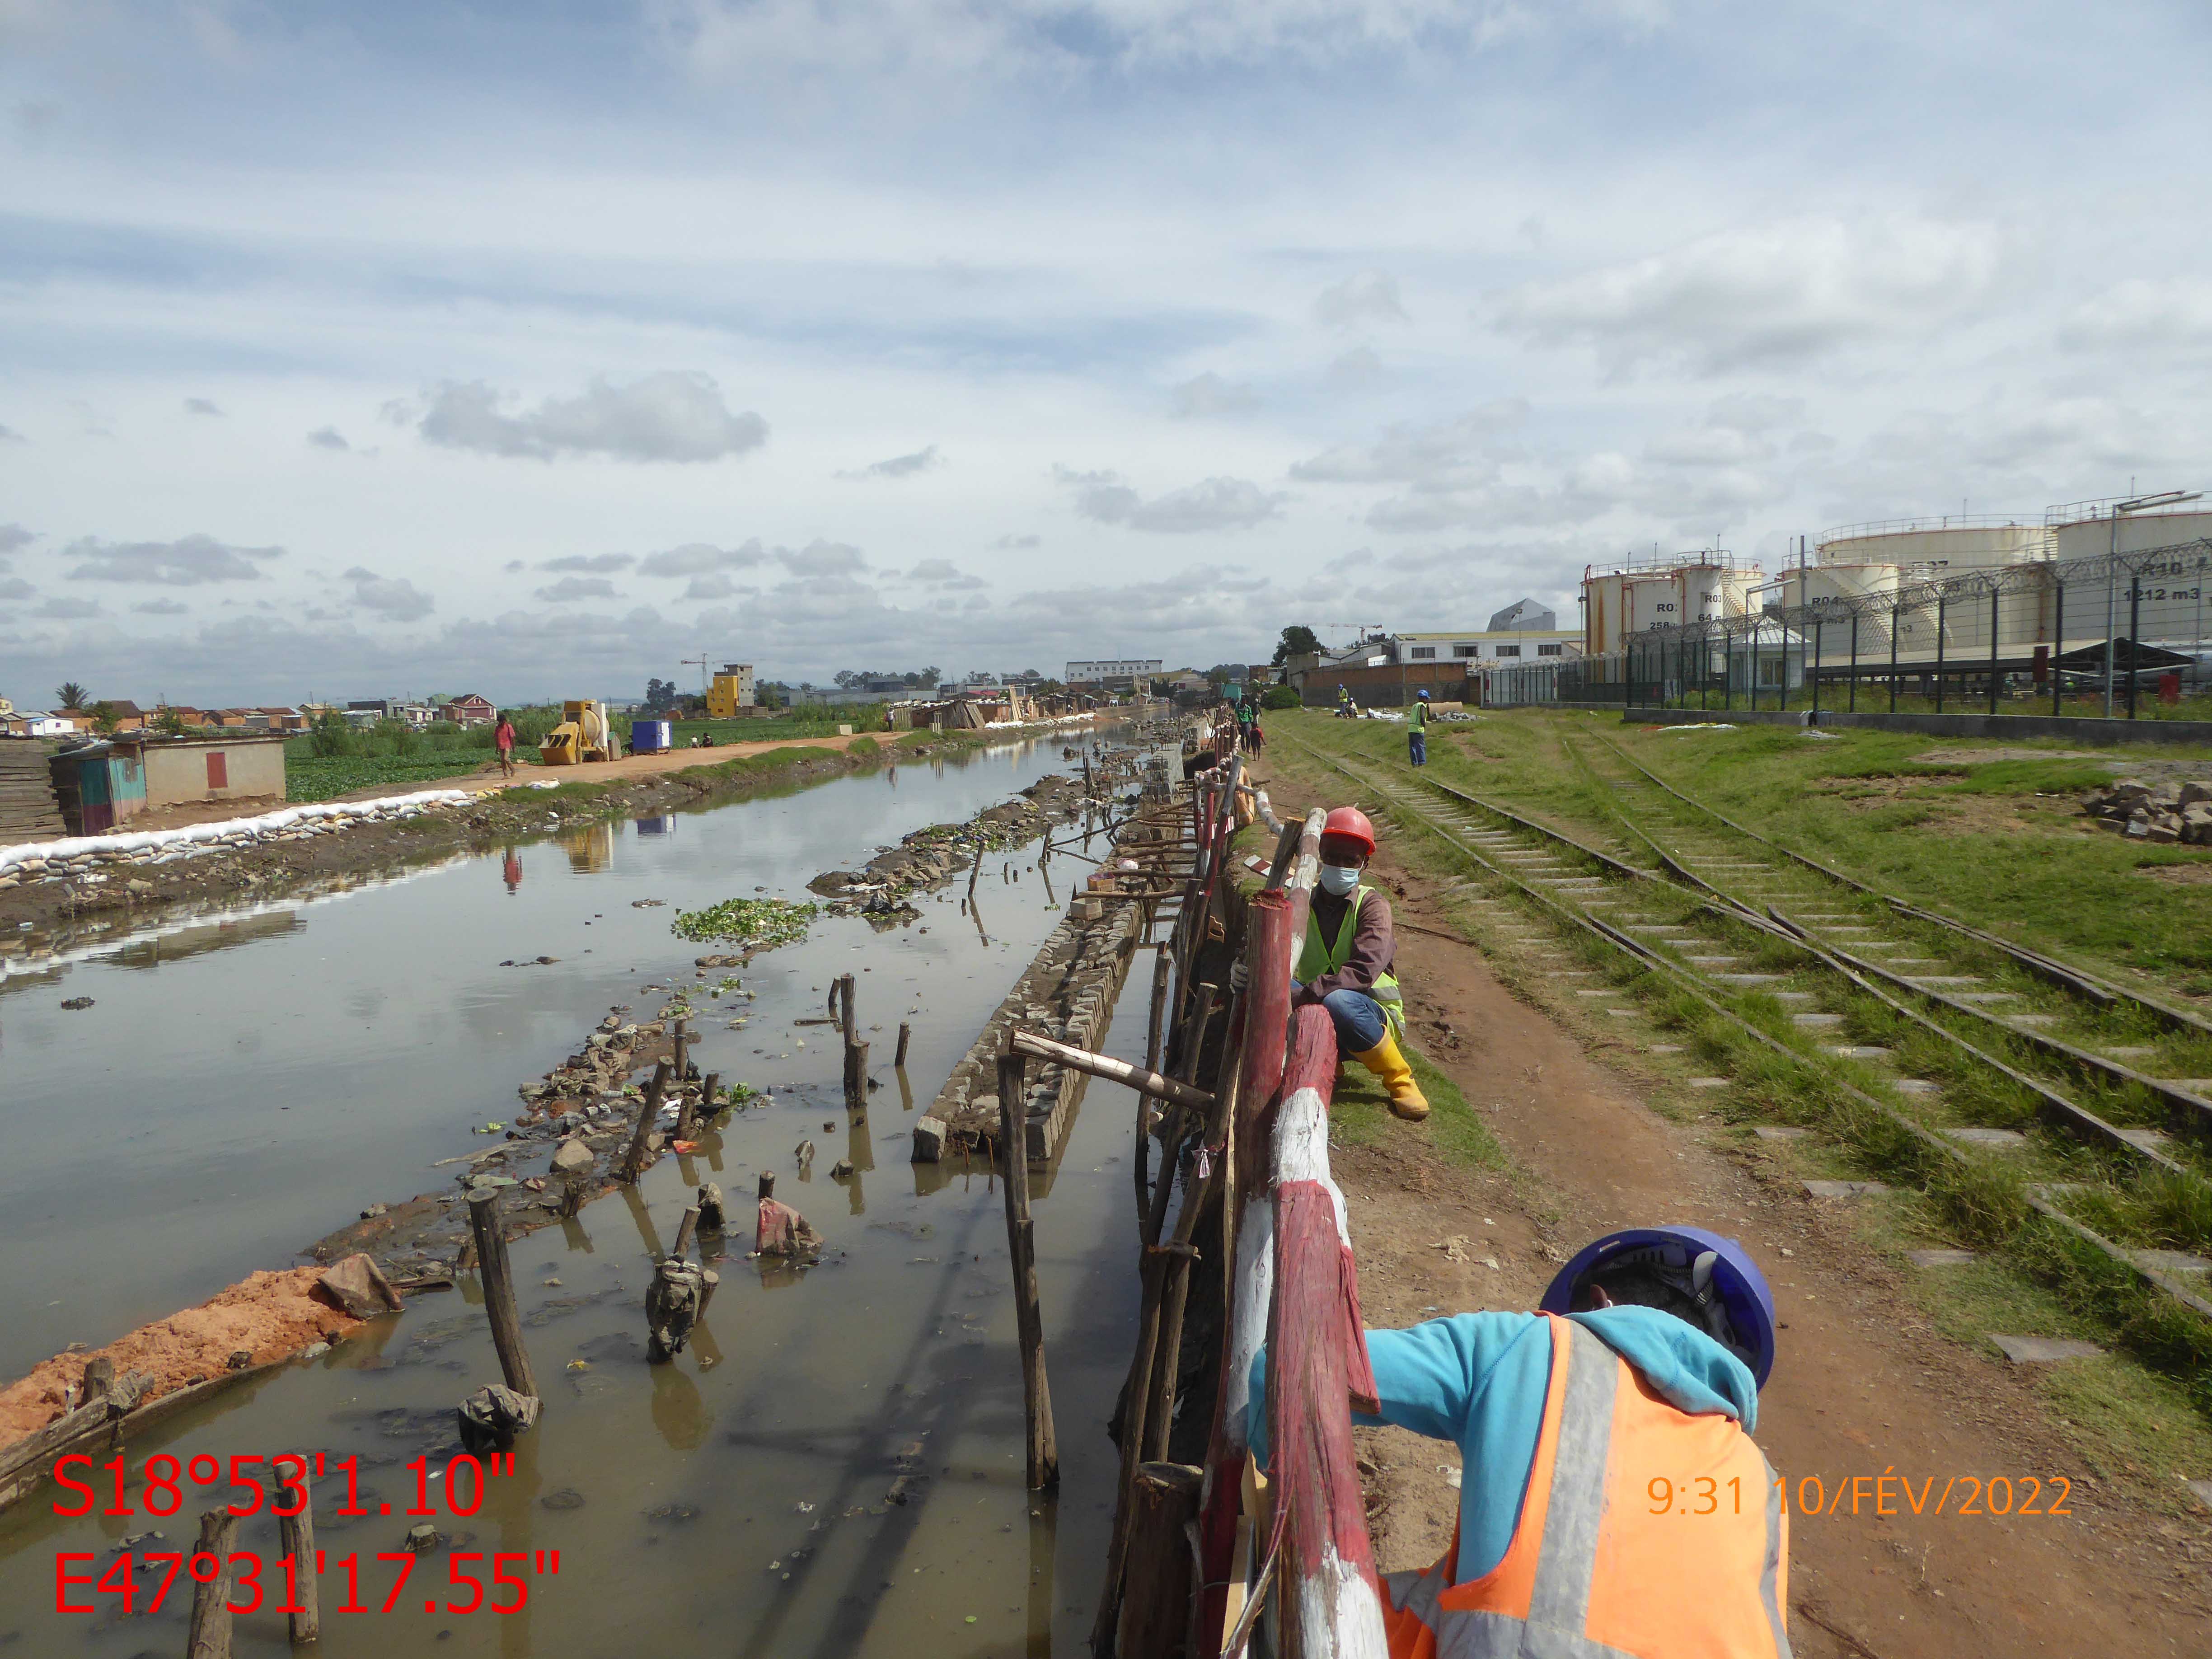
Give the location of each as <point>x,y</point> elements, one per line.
<point>1416,747</point>
<point>1358,1019</point>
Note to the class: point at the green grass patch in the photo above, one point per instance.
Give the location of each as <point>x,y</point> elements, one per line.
<point>312,778</point>
<point>1359,1115</point>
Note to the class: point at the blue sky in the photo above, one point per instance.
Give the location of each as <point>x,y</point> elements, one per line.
<point>532,348</point>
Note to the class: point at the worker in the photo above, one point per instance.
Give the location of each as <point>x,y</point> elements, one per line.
<point>1345,962</point>
<point>1588,1431</point>
<point>1343,703</point>
<point>1417,730</point>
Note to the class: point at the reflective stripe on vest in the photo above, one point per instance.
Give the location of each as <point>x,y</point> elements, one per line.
<point>1316,956</point>
<point>1591,1572</point>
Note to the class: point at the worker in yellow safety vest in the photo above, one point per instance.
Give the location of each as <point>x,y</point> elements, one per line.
<point>1590,1432</point>
<point>1345,962</point>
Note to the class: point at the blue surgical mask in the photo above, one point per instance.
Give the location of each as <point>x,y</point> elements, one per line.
<point>1340,879</point>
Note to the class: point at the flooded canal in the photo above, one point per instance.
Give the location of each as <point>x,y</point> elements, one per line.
<point>833,1466</point>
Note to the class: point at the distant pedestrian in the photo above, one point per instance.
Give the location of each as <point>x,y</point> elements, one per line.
<point>1259,738</point>
<point>503,740</point>
<point>1417,730</point>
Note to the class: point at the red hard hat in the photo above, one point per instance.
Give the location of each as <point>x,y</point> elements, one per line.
<point>1351,823</point>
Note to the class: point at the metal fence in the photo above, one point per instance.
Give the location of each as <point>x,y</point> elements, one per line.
<point>2103,627</point>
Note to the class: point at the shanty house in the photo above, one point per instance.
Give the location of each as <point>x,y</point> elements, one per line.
<point>469,709</point>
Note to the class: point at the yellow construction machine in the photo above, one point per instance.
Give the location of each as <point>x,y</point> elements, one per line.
<point>582,735</point>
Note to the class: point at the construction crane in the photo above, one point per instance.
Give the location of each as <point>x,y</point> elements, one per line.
<point>704,663</point>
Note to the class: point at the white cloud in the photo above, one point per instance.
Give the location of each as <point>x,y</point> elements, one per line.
<point>1209,504</point>
<point>9,436</point>
<point>900,466</point>
<point>1371,297</point>
<point>15,587</point>
<point>1209,394</point>
<point>569,589</point>
<point>328,437</point>
<point>201,406</point>
<point>821,558</point>
<point>162,608</point>
<point>1453,454</point>
<point>1018,543</point>
<point>390,598</point>
<point>1358,369</point>
<point>13,536</point>
<point>595,564</point>
<point>715,584</point>
<point>67,610</point>
<point>944,576</point>
<point>696,558</point>
<point>2164,313</point>
<point>184,563</point>
<point>1775,295</point>
<point>665,416</point>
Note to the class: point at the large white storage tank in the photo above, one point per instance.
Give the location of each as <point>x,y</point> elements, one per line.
<point>1654,601</point>
<point>1935,545</point>
<point>2173,610</point>
<point>1713,592</point>
<point>1605,612</point>
<point>1818,582</point>
<point>2090,536</point>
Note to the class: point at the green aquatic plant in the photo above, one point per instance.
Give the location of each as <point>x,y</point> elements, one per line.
<point>753,924</point>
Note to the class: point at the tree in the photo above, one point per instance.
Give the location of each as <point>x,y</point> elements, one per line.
<point>72,696</point>
<point>104,719</point>
<point>659,694</point>
<point>169,721</point>
<point>1298,641</point>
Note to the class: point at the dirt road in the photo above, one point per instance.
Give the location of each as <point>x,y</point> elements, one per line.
<point>486,773</point>
<point>1863,1386</point>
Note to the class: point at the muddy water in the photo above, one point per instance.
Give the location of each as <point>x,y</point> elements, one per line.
<point>740,1495</point>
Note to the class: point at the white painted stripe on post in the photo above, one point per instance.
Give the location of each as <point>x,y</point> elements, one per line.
<point>1339,1612</point>
<point>1255,1294</point>
<point>1302,1152</point>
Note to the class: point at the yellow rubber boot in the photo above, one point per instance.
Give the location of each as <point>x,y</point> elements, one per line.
<point>1388,1064</point>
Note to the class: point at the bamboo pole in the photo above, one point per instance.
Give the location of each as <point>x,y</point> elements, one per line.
<point>1044,1452</point>
<point>498,1280</point>
<point>1115,1071</point>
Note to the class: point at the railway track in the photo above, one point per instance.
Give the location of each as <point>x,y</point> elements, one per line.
<point>1979,1052</point>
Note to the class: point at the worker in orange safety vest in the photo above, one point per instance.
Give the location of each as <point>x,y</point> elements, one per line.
<point>1613,1505</point>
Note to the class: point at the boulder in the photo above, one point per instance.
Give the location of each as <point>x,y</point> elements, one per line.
<point>929,1134</point>
<point>2196,824</point>
<point>571,1157</point>
<point>356,1285</point>
<point>2194,793</point>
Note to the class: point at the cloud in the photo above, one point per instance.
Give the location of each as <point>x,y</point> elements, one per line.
<point>598,564</point>
<point>201,406</point>
<point>901,466</point>
<point>1356,370</point>
<point>822,558</point>
<point>9,436</point>
<point>1209,394</point>
<point>943,575</point>
<point>1768,295</point>
<point>162,608</point>
<point>67,610</point>
<point>513,565</point>
<point>2168,313</point>
<point>1453,454</point>
<point>186,563</point>
<point>328,437</point>
<point>15,587</point>
<point>715,584</point>
<point>696,558</point>
<point>1018,543</point>
<point>392,598</point>
<point>1210,504</point>
<point>569,589</point>
<point>13,536</point>
<point>1370,296</point>
<point>666,417</point>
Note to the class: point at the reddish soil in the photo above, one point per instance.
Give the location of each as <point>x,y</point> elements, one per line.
<point>270,1316</point>
<point>1863,1384</point>
<point>486,773</point>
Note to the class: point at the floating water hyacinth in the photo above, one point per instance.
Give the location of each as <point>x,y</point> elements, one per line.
<point>755,924</point>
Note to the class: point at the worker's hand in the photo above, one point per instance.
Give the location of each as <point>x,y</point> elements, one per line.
<point>1239,977</point>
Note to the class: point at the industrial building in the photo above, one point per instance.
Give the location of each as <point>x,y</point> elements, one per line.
<point>1663,591</point>
<point>731,690</point>
<point>1104,672</point>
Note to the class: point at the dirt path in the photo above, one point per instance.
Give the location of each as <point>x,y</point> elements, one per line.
<point>486,774</point>
<point>1863,1384</point>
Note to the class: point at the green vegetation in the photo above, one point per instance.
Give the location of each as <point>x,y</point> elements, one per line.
<point>814,720</point>
<point>749,924</point>
<point>1281,697</point>
<point>312,779</point>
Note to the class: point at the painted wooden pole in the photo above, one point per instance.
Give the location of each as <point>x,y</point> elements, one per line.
<point>209,1634</point>
<point>297,1533</point>
<point>1044,1451</point>
<point>498,1279</point>
<point>633,1164</point>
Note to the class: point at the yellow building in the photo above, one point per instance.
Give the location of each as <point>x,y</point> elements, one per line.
<point>732,690</point>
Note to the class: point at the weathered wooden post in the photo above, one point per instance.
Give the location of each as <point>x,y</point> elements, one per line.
<point>683,1051</point>
<point>1156,1610</point>
<point>684,1229</point>
<point>906,1031</point>
<point>1021,1243</point>
<point>297,1533</point>
<point>633,1164</point>
<point>1155,1034</point>
<point>856,1077</point>
<point>208,1635</point>
<point>499,1292</point>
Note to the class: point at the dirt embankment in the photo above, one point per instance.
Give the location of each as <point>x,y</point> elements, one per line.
<point>1865,1384</point>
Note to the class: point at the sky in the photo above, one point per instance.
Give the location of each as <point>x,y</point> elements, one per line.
<point>353,350</point>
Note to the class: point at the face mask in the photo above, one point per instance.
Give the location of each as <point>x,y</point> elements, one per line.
<point>1340,879</point>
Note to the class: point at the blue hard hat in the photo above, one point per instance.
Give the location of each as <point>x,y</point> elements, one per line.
<point>1739,1306</point>
<point>1422,696</point>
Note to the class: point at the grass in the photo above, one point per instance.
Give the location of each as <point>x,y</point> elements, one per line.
<point>2042,1280</point>
<point>1359,1115</point>
<point>320,778</point>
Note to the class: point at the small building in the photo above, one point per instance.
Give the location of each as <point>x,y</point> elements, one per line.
<point>469,710</point>
<point>731,690</point>
<point>1111,672</point>
<point>60,724</point>
<point>100,786</point>
<point>127,715</point>
<point>228,768</point>
<point>366,711</point>
<point>278,719</point>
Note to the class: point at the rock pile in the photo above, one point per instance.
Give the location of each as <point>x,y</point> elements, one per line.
<point>934,856</point>
<point>2155,811</point>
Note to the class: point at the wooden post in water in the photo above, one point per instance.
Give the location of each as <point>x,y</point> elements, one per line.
<point>209,1636</point>
<point>1021,1244</point>
<point>1155,1034</point>
<point>633,1164</point>
<point>298,1535</point>
<point>684,1229</point>
<point>898,1062</point>
<point>499,1293</point>
<point>683,1053</point>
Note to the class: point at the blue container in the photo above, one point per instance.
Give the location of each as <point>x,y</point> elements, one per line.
<point>652,736</point>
